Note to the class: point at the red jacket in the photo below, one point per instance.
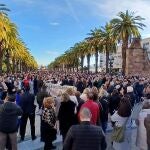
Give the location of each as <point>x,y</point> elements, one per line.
<point>94,108</point>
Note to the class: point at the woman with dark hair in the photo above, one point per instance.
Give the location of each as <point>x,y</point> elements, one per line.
<point>114,101</point>
<point>119,119</point>
<point>66,114</point>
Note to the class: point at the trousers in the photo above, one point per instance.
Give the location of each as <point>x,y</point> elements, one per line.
<point>3,140</point>
<point>23,123</point>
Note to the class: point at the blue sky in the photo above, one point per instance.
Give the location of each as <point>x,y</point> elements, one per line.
<point>50,27</point>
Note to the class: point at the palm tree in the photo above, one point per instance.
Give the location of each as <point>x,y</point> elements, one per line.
<point>125,26</point>
<point>108,42</point>
<point>95,43</point>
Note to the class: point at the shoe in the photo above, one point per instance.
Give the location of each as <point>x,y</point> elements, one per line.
<point>33,138</point>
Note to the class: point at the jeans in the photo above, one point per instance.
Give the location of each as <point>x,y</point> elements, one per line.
<point>104,126</point>
<point>3,140</point>
<point>23,124</point>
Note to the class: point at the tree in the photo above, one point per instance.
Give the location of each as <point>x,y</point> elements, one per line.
<point>95,44</point>
<point>108,42</point>
<point>124,27</point>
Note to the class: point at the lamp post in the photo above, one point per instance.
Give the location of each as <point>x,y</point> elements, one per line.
<point>111,61</point>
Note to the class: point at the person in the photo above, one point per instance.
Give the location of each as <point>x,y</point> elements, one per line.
<point>41,95</point>
<point>93,107</point>
<point>114,101</point>
<point>130,93</point>
<point>66,114</point>
<point>138,89</point>
<point>72,96</point>
<point>9,113</point>
<point>48,123</point>
<point>119,119</point>
<point>85,136</point>
<point>147,126</point>
<point>28,107</point>
<point>104,107</point>
<point>141,140</point>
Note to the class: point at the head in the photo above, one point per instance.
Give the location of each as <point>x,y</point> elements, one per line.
<point>86,91</point>
<point>102,93</point>
<point>70,91</point>
<point>65,97</point>
<point>90,96</point>
<point>129,89</point>
<point>124,109</point>
<point>77,94</point>
<point>85,114</point>
<point>10,98</point>
<point>48,102</point>
<point>44,87</point>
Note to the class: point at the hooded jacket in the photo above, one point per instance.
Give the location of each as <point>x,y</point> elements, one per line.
<point>9,113</point>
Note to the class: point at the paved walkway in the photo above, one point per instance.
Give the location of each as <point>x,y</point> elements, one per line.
<point>28,144</point>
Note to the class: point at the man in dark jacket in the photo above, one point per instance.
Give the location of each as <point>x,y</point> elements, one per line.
<point>85,136</point>
<point>9,113</point>
<point>28,107</point>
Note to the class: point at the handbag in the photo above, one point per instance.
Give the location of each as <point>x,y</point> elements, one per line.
<point>118,134</point>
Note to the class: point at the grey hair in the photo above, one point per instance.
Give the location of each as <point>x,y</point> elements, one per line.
<point>85,113</point>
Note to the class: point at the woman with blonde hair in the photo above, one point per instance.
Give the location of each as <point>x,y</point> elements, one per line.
<point>48,120</point>
<point>84,94</point>
<point>66,114</point>
<point>71,93</point>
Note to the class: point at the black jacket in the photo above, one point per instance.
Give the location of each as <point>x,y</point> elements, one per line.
<point>104,109</point>
<point>40,97</point>
<point>9,113</point>
<point>66,116</point>
<point>85,137</point>
<point>27,103</point>
<point>114,101</point>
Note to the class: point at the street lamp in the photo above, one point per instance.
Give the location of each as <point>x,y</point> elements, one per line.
<point>111,61</point>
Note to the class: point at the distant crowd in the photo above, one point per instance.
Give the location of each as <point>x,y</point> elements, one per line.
<point>81,116</point>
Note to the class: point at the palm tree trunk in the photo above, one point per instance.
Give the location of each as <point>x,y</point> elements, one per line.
<point>7,61</point>
<point>96,60</point>
<point>1,58</point>
<point>107,60</point>
<point>124,48</point>
<point>82,63</point>
<point>88,62</point>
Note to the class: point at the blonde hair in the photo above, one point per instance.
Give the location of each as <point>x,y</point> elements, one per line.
<point>102,92</point>
<point>65,97</point>
<point>70,91</point>
<point>94,90</point>
<point>48,101</point>
<point>86,91</point>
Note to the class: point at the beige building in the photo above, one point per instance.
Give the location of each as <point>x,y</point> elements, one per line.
<point>146,45</point>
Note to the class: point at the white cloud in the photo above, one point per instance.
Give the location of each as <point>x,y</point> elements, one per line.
<point>110,8</point>
<point>54,23</point>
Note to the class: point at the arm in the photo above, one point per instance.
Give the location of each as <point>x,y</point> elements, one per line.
<point>68,140</point>
<point>19,111</point>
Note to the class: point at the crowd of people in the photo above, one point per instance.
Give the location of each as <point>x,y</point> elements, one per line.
<point>81,116</point>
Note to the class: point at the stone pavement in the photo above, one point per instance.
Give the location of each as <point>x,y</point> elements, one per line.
<point>28,144</point>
